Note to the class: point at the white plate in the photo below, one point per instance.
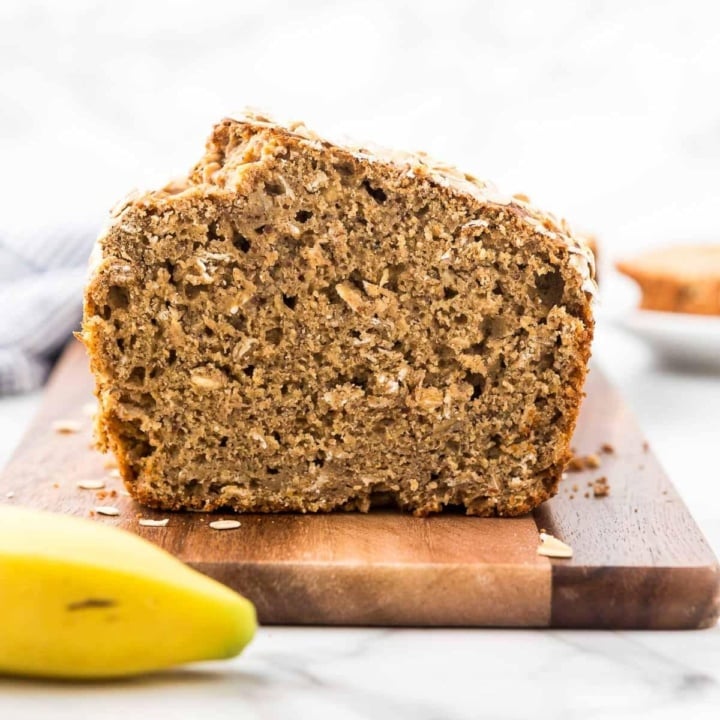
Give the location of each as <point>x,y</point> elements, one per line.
<point>682,338</point>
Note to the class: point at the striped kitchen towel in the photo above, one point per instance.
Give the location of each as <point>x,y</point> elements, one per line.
<point>42,273</point>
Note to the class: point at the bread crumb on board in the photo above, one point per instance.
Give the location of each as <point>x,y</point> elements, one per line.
<point>592,461</point>
<point>66,427</point>
<point>578,463</point>
<point>601,487</point>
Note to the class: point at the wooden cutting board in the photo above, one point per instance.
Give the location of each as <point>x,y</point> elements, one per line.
<point>639,559</point>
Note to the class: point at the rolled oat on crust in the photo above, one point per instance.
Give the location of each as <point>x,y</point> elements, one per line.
<point>306,326</point>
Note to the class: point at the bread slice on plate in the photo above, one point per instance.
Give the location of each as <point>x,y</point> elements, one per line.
<point>681,278</point>
<point>307,326</point>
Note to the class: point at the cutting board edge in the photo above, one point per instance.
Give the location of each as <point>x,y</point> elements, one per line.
<point>467,595</point>
<point>641,598</point>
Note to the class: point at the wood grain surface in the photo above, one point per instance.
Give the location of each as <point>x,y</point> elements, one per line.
<point>639,559</point>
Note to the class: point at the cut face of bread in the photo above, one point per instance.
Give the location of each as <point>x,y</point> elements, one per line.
<point>302,326</point>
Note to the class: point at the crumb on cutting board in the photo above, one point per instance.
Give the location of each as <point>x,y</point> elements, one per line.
<point>601,487</point>
<point>579,463</point>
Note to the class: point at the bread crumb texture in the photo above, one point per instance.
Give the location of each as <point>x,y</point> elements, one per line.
<point>305,326</point>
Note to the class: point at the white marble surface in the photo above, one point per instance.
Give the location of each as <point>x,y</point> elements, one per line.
<point>608,113</point>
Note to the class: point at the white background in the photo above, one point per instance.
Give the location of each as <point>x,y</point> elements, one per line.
<point>608,113</point>
<point>605,112</point>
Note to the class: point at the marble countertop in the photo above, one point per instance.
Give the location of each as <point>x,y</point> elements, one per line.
<point>606,113</point>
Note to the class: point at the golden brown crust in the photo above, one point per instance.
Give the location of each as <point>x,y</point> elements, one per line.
<point>213,168</point>
<point>302,326</point>
<point>682,279</point>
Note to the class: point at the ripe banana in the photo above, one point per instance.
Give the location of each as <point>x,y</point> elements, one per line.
<point>79,599</point>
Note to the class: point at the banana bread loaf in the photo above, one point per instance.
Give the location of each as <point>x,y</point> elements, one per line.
<point>304,326</point>
<point>681,278</point>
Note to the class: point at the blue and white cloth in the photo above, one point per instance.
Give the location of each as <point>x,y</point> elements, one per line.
<point>42,274</point>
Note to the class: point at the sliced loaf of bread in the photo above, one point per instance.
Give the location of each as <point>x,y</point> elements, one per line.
<point>304,326</point>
